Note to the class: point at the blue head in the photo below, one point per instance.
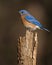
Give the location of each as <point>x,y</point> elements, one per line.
<point>23,12</point>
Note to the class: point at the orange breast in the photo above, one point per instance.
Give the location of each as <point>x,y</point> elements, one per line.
<point>27,24</point>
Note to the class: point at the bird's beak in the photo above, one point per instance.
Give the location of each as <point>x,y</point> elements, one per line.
<point>19,12</point>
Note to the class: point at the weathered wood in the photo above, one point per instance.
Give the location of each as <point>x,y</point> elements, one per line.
<point>27,48</point>
<point>35,49</point>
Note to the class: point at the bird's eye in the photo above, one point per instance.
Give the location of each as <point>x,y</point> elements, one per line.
<point>21,12</point>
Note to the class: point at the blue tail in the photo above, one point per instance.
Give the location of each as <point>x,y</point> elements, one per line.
<point>45,29</point>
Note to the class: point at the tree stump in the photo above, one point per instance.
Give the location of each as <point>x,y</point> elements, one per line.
<point>27,48</point>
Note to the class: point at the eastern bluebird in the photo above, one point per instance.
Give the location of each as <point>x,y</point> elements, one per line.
<point>30,22</point>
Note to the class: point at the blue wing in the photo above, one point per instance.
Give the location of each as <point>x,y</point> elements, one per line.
<point>33,20</point>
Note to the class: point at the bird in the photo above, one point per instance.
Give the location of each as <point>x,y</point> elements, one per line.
<point>30,21</point>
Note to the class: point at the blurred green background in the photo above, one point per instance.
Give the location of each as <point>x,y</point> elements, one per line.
<point>11,28</point>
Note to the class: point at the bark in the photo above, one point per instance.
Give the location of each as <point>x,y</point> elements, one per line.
<point>27,48</point>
